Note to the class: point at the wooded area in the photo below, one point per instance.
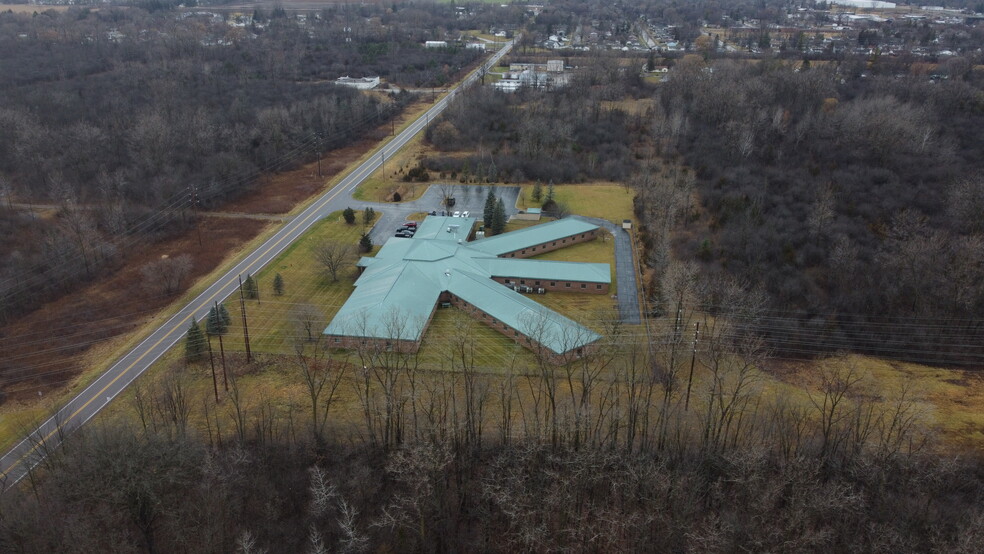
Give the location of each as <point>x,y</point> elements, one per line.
<point>127,120</point>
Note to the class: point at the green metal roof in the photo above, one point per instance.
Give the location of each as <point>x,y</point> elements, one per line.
<point>399,288</point>
<point>445,228</point>
<point>545,270</point>
<point>531,236</point>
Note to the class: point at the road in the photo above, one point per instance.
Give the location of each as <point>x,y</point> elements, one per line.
<point>16,463</point>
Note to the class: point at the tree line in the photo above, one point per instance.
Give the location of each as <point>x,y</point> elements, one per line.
<point>850,199</point>
<point>604,452</point>
<point>127,119</point>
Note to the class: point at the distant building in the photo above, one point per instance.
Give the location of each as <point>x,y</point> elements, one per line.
<point>436,44</point>
<point>361,83</point>
<point>865,4</point>
<point>476,46</point>
<point>555,66</point>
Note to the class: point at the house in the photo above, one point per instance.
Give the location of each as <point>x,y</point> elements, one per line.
<point>436,44</point>
<point>399,290</point>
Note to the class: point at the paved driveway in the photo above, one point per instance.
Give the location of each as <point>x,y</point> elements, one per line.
<point>469,198</point>
<point>625,271</point>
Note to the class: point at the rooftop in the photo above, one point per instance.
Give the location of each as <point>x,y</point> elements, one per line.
<point>399,289</point>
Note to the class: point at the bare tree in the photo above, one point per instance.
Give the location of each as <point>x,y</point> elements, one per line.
<point>333,256</point>
<point>308,321</point>
<point>166,275</point>
<point>322,376</point>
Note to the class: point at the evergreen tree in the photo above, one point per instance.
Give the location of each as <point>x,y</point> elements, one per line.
<point>368,215</point>
<point>349,215</point>
<point>365,243</point>
<point>537,192</point>
<point>214,325</point>
<point>489,211</point>
<point>499,218</point>
<point>196,345</point>
<point>224,314</point>
<point>278,281</point>
<point>249,288</point>
<point>550,193</point>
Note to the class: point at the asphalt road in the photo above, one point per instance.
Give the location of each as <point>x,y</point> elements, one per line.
<point>16,463</point>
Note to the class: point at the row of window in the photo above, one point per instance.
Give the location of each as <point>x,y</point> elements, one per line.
<point>554,243</point>
<point>552,284</point>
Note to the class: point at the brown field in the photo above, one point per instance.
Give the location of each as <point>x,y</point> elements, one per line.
<point>66,343</point>
<point>30,8</point>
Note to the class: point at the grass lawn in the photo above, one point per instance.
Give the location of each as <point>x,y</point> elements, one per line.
<point>272,319</point>
<point>605,200</point>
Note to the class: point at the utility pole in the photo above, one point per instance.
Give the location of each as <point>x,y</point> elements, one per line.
<point>211,362</point>
<point>690,380</point>
<point>320,148</point>
<point>225,380</point>
<point>242,305</point>
<point>194,207</point>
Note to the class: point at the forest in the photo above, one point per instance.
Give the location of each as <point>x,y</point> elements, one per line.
<point>847,192</point>
<point>599,454</point>
<point>127,119</point>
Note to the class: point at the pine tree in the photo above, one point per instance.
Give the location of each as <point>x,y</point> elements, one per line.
<point>278,282</point>
<point>249,288</point>
<point>224,314</point>
<point>196,345</point>
<point>349,215</point>
<point>499,218</point>
<point>368,215</point>
<point>550,193</point>
<point>537,192</point>
<point>489,212</point>
<point>214,324</point>
<point>365,243</point>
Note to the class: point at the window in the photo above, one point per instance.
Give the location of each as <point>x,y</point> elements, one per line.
<point>584,286</point>
<point>522,281</point>
<point>537,283</point>
<point>515,333</point>
<point>565,240</point>
<point>554,243</point>
<point>598,287</point>
<point>524,251</point>
<point>337,340</point>
<point>567,284</point>
<point>553,283</point>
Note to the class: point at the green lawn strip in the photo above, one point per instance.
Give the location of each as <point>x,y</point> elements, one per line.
<point>607,201</point>
<point>271,320</point>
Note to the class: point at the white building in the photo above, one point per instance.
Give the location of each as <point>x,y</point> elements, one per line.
<point>436,44</point>
<point>361,83</point>
<point>865,4</point>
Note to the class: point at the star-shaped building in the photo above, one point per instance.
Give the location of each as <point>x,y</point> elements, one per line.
<point>400,288</point>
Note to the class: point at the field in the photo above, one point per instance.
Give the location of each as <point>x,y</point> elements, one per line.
<point>609,201</point>
<point>30,8</point>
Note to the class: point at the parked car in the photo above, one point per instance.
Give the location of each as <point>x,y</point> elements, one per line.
<point>404,234</point>
<point>464,213</point>
<point>456,214</point>
<point>411,224</point>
